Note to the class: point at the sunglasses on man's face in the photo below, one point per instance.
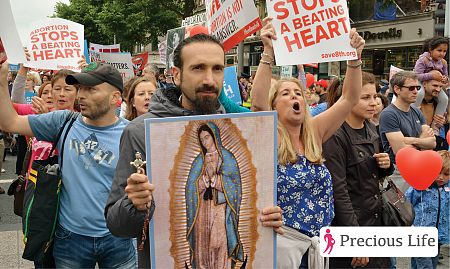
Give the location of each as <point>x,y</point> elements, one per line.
<point>412,88</point>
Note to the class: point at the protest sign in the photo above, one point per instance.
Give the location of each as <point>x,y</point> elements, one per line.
<point>286,71</point>
<point>174,37</point>
<point>104,48</point>
<point>55,44</point>
<point>9,35</point>
<point>29,97</point>
<point>231,21</point>
<point>86,52</point>
<point>121,61</point>
<point>230,85</point>
<point>162,48</point>
<point>393,70</point>
<point>311,31</point>
<point>194,20</point>
<point>139,61</point>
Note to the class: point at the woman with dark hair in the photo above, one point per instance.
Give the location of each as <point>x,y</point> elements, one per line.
<point>382,103</point>
<point>357,167</point>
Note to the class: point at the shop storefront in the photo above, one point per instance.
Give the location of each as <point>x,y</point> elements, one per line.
<point>397,43</point>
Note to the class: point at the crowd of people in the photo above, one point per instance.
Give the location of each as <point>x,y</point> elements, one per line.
<point>337,142</point>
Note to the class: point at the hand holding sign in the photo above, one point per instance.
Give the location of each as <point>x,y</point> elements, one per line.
<point>268,33</point>
<point>357,42</point>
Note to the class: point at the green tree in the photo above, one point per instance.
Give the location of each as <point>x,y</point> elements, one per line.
<point>130,22</point>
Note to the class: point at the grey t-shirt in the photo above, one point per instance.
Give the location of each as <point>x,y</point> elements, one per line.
<point>393,119</point>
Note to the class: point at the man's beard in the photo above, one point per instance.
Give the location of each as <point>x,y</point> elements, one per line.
<point>98,111</point>
<point>204,105</point>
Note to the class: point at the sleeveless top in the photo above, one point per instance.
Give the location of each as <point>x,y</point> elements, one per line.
<point>305,194</point>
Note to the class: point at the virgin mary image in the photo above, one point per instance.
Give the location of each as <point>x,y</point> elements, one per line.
<point>213,199</point>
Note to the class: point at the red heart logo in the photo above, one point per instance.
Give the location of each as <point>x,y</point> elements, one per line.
<point>419,168</point>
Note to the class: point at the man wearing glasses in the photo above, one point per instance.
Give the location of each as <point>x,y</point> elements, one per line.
<point>402,124</point>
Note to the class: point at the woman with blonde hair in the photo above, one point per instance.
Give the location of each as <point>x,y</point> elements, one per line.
<point>304,184</point>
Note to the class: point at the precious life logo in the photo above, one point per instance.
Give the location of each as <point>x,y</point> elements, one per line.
<point>378,241</point>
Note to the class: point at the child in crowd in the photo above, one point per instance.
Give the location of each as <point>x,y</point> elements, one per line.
<point>431,65</point>
<point>432,209</point>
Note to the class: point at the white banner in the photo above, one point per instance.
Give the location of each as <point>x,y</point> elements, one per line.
<point>311,31</point>
<point>121,61</point>
<point>162,47</point>
<point>9,35</point>
<point>55,44</point>
<point>104,48</point>
<point>194,20</point>
<point>231,21</point>
<point>378,241</point>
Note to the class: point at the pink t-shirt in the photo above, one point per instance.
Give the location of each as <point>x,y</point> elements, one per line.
<point>40,150</point>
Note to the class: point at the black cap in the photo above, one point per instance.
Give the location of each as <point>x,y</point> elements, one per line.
<point>96,73</point>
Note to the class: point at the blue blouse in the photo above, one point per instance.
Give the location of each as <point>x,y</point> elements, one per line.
<point>305,194</point>
<point>425,205</point>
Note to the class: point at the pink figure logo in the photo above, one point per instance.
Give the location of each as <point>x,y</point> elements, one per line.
<point>330,241</point>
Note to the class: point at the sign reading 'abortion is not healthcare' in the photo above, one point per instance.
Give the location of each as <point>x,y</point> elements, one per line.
<point>231,21</point>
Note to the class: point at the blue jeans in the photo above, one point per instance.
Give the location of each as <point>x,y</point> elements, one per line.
<point>72,250</point>
<point>424,263</point>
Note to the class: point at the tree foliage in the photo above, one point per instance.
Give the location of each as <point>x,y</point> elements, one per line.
<point>131,22</point>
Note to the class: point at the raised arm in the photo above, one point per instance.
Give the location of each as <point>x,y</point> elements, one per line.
<point>18,89</point>
<point>9,120</point>
<point>263,76</point>
<point>329,121</point>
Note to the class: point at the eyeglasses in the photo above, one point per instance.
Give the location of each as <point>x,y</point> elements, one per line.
<point>412,88</point>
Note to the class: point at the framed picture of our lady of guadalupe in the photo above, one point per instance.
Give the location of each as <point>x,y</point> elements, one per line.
<point>212,174</point>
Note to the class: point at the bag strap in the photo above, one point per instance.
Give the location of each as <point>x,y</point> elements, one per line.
<point>71,116</point>
<point>61,154</point>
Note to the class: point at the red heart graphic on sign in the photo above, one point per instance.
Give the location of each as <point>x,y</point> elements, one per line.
<point>418,168</point>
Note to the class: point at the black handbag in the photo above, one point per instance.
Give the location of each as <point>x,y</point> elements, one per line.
<point>17,188</point>
<point>41,202</point>
<point>397,210</point>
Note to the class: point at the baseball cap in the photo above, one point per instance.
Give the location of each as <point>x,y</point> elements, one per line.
<point>322,83</point>
<point>96,73</point>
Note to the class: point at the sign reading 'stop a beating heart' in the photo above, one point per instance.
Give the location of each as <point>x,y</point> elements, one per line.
<point>418,168</point>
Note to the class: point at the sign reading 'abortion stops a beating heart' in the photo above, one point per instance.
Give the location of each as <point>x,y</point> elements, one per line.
<point>310,31</point>
<point>55,44</point>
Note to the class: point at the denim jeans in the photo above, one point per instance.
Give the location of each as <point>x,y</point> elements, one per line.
<point>424,263</point>
<point>72,250</point>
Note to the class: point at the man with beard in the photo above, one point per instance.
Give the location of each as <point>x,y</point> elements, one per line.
<point>432,88</point>
<point>90,157</point>
<point>198,75</point>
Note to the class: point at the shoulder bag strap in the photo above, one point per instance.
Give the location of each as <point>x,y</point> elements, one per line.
<point>69,116</point>
<point>74,116</point>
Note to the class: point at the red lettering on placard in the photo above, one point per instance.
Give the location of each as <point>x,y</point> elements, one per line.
<point>56,54</point>
<point>279,7</point>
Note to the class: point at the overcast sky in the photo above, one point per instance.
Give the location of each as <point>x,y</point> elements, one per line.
<point>26,11</point>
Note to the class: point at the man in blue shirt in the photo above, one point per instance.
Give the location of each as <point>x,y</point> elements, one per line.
<point>90,157</point>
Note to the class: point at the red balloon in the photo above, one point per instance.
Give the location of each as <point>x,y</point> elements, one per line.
<point>448,137</point>
<point>309,80</point>
<point>419,168</point>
